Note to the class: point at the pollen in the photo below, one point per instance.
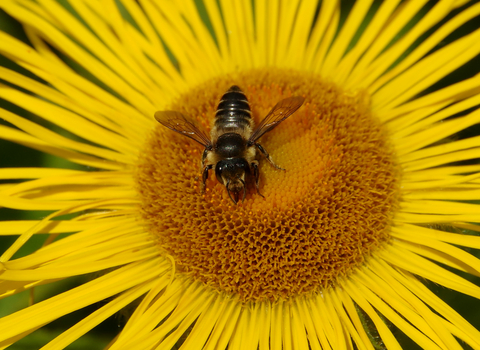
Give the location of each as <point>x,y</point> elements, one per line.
<point>317,221</point>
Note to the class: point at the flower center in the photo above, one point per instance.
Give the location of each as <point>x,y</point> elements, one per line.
<point>317,221</point>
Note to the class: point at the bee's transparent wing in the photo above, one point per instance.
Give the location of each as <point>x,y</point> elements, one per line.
<point>176,121</point>
<point>278,114</point>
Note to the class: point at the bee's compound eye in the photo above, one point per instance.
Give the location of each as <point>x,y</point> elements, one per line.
<point>221,169</point>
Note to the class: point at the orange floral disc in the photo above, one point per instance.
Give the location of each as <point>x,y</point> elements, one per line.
<point>319,219</point>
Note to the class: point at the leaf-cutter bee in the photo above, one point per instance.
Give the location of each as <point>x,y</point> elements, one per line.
<point>231,147</point>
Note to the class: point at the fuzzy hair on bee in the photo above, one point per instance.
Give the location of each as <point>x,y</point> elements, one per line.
<point>231,148</point>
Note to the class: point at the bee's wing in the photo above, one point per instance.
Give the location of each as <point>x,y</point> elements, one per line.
<point>278,114</point>
<point>176,121</point>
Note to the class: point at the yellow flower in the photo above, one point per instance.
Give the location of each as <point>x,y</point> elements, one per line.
<point>378,197</point>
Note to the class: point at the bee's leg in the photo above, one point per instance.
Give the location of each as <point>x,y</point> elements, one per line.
<point>256,174</point>
<point>205,176</point>
<point>265,153</point>
<point>244,190</point>
<point>230,194</point>
<point>204,156</point>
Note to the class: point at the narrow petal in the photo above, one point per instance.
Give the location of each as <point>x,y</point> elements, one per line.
<point>440,252</point>
<point>68,121</point>
<point>204,326</point>
<point>277,327</point>
<point>403,15</point>
<point>301,30</point>
<point>185,311</point>
<point>237,21</point>
<point>96,112</point>
<point>95,318</point>
<point>216,19</point>
<point>338,338</point>
<point>385,334</point>
<point>271,17</point>
<point>447,181</point>
<point>411,309</point>
<point>321,32</point>
<point>439,207</point>
<point>343,72</point>
<point>353,327</point>
<point>442,159</point>
<point>469,143</point>
<point>109,75</point>
<point>439,173</point>
<point>326,38</point>
<point>401,257</point>
<point>196,307</point>
<point>22,239</point>
<point>153,309</point>
<point>22,138</point>
<point>59,226</point>
<point>432,102</point>
<point>428,44</point>
<point>316,340</point>
<point>300,338</point>
<point>401,47</point>
<point>427,72</point>
<point>352,314</point>
<point>100,231</point>
<point>247,331</point>
<point>462,329</point>
<point>96,261</point>
<point>35,173</point>
<point>225,326</point>
<point>345,36</point>
<point>461,239</point>
<point>77,298</point>
<point>391,314</point>
<point>324,325</point>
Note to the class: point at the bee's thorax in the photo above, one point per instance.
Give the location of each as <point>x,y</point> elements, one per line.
<point>230,145</point>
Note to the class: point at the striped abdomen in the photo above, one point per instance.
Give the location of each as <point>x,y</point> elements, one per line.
<point>233,112</point>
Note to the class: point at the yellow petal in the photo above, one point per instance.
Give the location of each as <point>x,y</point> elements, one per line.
<point>422,267</point>
<point>75,299</point>
<point>95,318</point>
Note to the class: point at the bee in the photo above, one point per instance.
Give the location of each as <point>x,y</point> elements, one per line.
<point>231,149</point>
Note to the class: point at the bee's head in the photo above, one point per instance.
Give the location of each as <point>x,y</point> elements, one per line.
<point>231,172</point>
